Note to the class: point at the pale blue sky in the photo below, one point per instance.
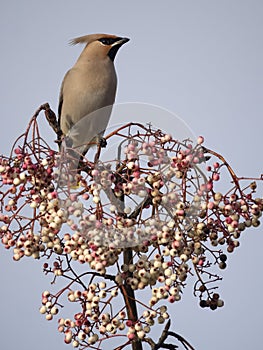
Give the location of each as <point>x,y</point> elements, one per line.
<point>200,59</point>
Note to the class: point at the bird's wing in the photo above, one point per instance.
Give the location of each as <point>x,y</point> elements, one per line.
<point>60,103</point>
<point>59,116</point>
<point>61,99</point>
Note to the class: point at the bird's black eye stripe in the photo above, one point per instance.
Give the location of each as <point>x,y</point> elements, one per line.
<point>108,41</point>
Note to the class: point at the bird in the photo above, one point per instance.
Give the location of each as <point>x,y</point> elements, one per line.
<point>88,92</point>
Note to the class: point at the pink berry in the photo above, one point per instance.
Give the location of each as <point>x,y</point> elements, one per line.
<point>216,177</point>
<point>200,140</point>
<point>17,150</point>
<point>216,165</point>
<point>131,336</point>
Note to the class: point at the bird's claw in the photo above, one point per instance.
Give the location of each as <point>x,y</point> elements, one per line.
<point>103,142</point>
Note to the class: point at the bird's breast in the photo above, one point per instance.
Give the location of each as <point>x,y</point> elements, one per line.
<point>88,89</point>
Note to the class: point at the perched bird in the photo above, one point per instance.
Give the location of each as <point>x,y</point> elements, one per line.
<point>88,91</point>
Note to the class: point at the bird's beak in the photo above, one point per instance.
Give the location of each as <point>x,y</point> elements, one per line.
<point>121,41</point>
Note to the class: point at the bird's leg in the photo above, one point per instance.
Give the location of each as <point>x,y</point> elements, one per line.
<point>101,144</point>
<point>97,155</point>
<point>80,164</point>
<point>53,122</point>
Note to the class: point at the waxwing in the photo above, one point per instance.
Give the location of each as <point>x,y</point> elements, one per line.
<point>88,91</point>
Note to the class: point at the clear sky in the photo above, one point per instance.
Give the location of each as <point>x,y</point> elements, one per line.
<point>201,60</point>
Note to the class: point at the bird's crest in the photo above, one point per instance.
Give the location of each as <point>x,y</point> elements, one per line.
<point>87,39</point>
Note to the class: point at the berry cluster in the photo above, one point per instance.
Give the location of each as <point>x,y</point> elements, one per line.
<point>94,322</point>
<point>156,205</point>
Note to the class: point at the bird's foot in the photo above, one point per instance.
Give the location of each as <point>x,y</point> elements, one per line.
<point>103,142</point>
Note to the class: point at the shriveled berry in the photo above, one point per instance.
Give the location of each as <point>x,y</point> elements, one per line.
<point>223,257</point>
<point>203,303</point>
<point>222,265</point>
